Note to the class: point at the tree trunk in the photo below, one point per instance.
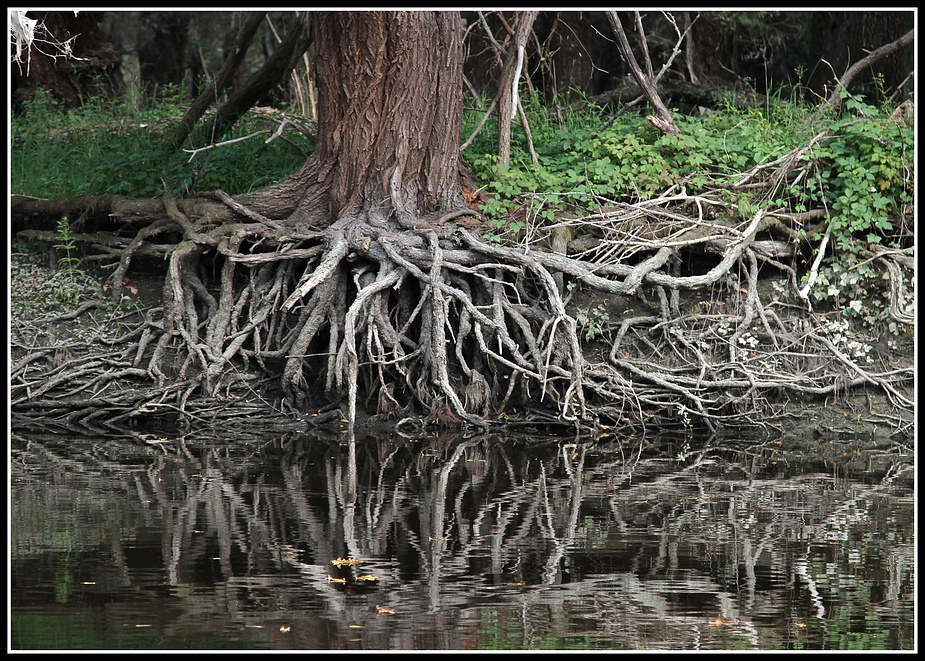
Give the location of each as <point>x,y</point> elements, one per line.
<point>390,104</point>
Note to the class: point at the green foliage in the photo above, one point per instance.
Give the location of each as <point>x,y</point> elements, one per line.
<point>860,171</point>
<point>106,147</point>
<point>584,164</point>
<point>67,242</point>
<point>864,172</point>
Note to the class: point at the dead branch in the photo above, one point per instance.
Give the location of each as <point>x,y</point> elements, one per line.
<point>663,121</point>
<point>834,99</point>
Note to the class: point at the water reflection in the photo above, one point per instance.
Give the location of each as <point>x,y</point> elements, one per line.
<point>467,543</point>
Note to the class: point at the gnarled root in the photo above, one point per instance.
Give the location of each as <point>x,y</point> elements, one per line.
<point>374,320</point>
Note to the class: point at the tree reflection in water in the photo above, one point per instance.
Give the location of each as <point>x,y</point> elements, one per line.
<point>484,541</point>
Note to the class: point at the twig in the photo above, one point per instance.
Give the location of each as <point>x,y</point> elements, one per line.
<point>198,150</point>
<point>478,128</point>
<point>814,269</point>
<point>89,305</point>
<point>240,208</point>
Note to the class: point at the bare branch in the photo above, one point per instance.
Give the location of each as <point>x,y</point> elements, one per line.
<point>663,121</point>
<point>874,56</point>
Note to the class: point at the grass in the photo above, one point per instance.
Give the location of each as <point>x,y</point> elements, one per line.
<point>104,148</point>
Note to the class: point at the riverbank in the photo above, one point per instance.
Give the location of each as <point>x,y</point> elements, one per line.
<point>60,313</point>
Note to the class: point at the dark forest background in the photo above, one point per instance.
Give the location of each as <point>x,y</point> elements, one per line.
<point>140,52</point>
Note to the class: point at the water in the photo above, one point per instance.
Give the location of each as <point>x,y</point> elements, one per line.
<point>197,543</point>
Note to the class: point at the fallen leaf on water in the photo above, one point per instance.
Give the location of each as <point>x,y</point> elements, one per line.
<point>340,562</point>
<point>384,611</point>
<point>284,629</point>
<point>367,577</point>
<point>337,580</point>
<point>356,626</point>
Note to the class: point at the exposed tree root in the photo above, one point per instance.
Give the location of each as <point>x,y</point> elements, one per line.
<point>368,321</point>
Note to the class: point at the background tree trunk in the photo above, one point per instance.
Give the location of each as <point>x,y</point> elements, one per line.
<point>272,74</point>
<point>221,81</point>
<point>510,78</point>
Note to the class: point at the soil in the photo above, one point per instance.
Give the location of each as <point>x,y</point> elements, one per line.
<point>39,291</point>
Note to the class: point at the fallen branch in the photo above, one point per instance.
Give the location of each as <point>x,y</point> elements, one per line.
<point>834,98</point>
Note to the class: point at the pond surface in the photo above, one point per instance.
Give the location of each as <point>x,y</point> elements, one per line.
<point>462,543</point>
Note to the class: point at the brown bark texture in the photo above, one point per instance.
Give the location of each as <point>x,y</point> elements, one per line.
<point>390,104</point>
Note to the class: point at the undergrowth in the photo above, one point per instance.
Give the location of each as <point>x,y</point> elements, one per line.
<point>104,147</point>
<point>860,170</point>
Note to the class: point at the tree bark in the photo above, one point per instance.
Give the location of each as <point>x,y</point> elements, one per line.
<point>390,105</point>
<point>408,127</point>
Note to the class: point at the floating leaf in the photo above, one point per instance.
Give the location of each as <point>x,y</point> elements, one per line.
<point>345,562</point>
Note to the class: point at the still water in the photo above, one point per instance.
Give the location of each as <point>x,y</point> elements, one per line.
<point>190,542</point>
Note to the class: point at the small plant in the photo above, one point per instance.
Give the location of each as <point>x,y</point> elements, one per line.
<point>861,291</point>
<point>839,334</point>
<point>593,320</point>
<point>68,243</point>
